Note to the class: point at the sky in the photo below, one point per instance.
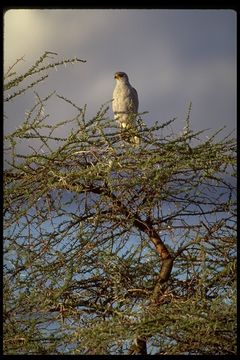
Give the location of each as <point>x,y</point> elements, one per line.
<point>172,58</point>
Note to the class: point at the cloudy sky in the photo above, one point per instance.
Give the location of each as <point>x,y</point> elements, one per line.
<point>172,57</point>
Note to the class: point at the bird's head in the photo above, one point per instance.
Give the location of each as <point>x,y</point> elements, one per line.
<point>121,76</point>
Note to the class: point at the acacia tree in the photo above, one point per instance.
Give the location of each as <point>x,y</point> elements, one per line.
<point>111,248</point>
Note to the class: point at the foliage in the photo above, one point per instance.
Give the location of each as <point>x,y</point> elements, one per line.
<point>90,219</point>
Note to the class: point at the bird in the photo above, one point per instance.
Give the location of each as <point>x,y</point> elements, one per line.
<point>125,105</point>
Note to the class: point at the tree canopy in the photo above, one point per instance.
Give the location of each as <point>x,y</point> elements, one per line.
<point>111,248</point>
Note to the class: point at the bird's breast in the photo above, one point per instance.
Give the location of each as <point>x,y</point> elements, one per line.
<point>121,98</point>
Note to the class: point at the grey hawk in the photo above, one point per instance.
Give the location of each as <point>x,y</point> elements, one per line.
<point>125,105</point>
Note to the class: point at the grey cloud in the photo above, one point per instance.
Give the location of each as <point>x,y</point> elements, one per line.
<point>171,57</point>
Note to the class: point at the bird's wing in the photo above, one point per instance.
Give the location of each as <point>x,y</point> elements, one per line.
<point>135,102</point>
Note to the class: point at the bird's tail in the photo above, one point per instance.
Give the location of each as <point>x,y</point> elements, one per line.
<point>130,134</point>
<point>135,140</point>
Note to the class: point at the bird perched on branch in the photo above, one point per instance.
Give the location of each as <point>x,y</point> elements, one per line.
<point>125,105</point>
